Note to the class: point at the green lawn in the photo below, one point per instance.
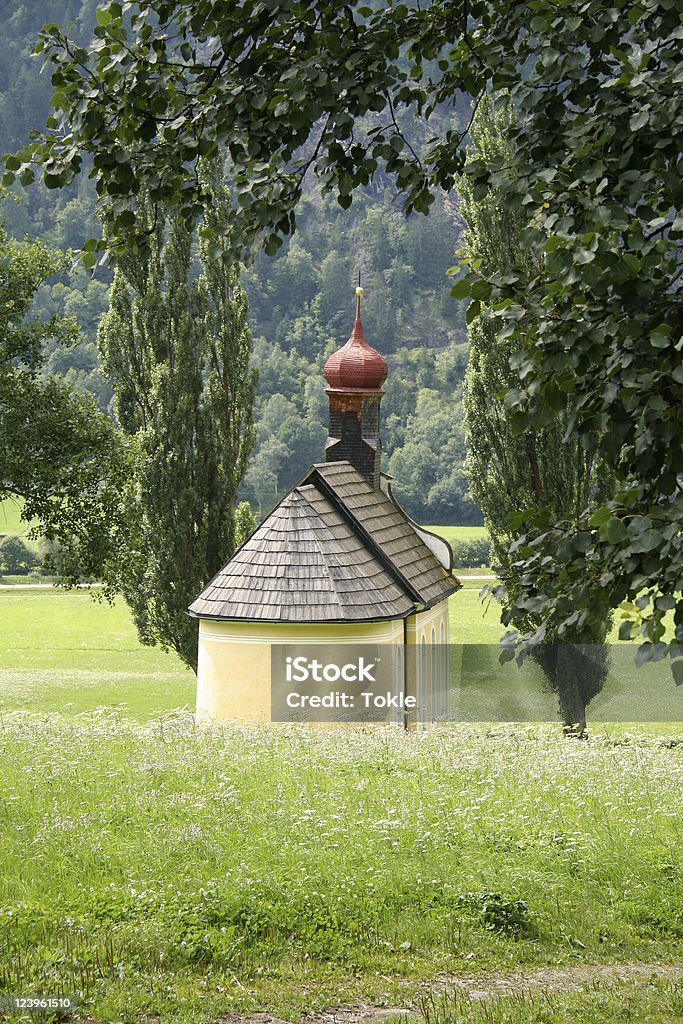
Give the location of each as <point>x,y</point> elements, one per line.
<point>22,580</point>
<point>62,651</point>
<point>475,619</point>
<point>10,516</point>
<point>645,998</point>
<point>12,523</point>
<point>454,533</point>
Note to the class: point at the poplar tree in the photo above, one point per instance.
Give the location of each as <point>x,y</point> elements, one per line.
<point>177,349</point>
<point>538,470</point>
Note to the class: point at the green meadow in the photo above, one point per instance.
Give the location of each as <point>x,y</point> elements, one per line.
<point>10,516</point>
<point>169,874</point>
<point>164,873</point>
<point>11,521</point>
<point>455,533</point>
<point>66,652</point>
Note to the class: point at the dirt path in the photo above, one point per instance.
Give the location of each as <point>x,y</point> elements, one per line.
<point>557,979</point>
<point>49,586</point>
<point>487,986</point>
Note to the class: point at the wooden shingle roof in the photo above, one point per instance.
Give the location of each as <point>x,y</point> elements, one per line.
<point>389,529</point>
<point>333,550</point>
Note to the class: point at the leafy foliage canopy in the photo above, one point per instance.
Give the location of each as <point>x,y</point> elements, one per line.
<point>57,451</point>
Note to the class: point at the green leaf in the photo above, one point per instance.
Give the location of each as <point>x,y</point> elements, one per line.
<point>626,630</point>
<point>519,422</point>
<point>461,289</point>
<point>480,290</point>
<point>103,17</point>
<point>640,119</point>
<point>601,516</point>
<point>473,311</point>
<point>646,541</point>
<point>614,531</point>
<point>644,654</point>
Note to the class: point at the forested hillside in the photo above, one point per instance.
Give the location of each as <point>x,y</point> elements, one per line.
<point>301,302</point>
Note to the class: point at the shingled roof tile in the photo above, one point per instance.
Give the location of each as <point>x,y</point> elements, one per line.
<point>333,550</point>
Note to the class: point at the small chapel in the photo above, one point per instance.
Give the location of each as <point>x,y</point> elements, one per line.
<point>337,560</point>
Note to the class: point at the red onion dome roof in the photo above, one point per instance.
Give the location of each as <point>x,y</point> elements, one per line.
<point>356,365</point>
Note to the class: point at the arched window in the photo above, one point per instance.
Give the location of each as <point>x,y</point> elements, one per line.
<point>444,681</point>
<point>400,682</point>
<point>433,709</point>
<point>422,689</point>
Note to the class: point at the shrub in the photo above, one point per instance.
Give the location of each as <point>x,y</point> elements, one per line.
<point>15,557</point>
<point>471,554</point>
<point>498,913</point>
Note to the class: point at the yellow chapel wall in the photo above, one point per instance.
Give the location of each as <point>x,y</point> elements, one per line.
<point>234,663</point>
<point>427,639</point>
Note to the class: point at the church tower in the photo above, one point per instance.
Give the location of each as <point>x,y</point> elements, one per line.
<point>355,374</point>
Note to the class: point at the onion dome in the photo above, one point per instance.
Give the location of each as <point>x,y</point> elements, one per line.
<point>356,366</point>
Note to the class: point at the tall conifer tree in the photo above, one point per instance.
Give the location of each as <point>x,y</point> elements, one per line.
<point>177,349</point>
<point>537,469</point>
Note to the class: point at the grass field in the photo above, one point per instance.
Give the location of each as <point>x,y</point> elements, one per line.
<point>10,516</point>
<point>164,872</point>
<point>12,523</point>
<point>65,652</point>
<point>454,533</point>
<point>171,875</point>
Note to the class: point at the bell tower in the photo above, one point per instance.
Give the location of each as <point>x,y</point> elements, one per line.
<point>355,374</point>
